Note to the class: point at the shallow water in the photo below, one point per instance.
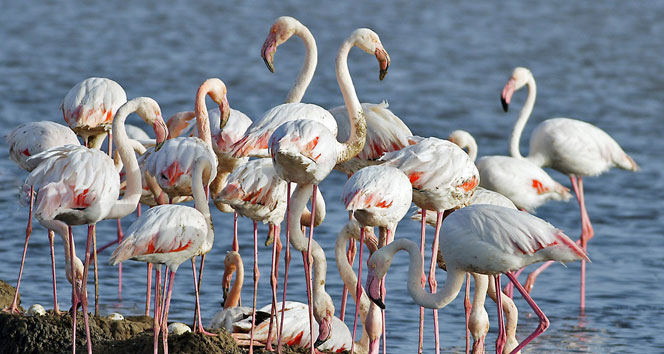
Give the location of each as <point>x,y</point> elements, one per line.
<point>596,61</point>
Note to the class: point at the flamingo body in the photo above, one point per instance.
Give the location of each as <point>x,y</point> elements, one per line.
<point>30,139</point>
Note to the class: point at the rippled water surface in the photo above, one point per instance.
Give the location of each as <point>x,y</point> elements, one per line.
<point>596,61</point>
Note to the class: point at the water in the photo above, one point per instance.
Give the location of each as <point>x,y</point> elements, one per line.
<point>596,61</point>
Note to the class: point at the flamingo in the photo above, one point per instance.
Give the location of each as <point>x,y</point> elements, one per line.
<point>236,319</point>
<point>481,238</point>
<point>443,178</point>
<point>305,151</point>
<point>89,107</point>
<point>78,185</point>
<point>377,196</point>
<point>24,141</point>
<point>570,146</point>
<point>170,235</point>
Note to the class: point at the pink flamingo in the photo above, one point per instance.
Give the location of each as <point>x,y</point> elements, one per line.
<point>443,178</point>
<point>296,330</point>
<point>377,196</point>
<point>571,146</point>
<point>170,235</point>
<point>480,238</point>
<point>78,185</point>
<point>25,141</point>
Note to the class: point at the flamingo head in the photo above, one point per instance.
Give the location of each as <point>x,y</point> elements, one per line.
<point>149,110</point>
<point>324,313</point>
<point>282,29</point>
<point>378,264</point>
<point>520,77</point>
<point>324,329</point>
<point>78,270</point>
<point>231,264</point>
<point>368,41</point>
<point>178,122</point>
<point>216,89</point>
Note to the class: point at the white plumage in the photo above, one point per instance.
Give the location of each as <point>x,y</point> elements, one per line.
<point>30,139</point>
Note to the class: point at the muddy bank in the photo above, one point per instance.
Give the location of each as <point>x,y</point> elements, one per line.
<point>7,295</point>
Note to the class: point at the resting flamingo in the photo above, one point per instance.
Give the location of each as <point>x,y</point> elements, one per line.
<point>481,238</point>
<point>237,320</point>
<point>570,146</point>
<point>305,151</point>
<point>377,196</point>
<point>443,178</point>
<point>78,185</point>
<point>170,235</point>
<point>24,141</point>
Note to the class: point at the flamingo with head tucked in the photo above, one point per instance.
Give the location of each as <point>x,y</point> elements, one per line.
<point>485,239</point>
<point>571,146</point>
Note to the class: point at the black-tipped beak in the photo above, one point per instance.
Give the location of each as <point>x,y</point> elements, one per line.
<point>319,342</point>
<point>267,52</point>
<point>383,62</point>
<point>504,103</point>
<point>378,302</point>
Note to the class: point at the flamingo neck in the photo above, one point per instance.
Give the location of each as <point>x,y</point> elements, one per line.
<point>233,297</point>
<point>202,117</point>
<point>479,319</point>
<point>358,124</point>
<point>523,118</point>
<point>308,68</point>
<point>200,199</point>
<point>132,194</point>
<point>471,145</point>
<point>438,300</point>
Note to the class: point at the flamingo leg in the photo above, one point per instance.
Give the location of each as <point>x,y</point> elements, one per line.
<point>147,299</point>
<point>274,273</point>
<point>423,281</point>
<point>388,239</point>
<point>509,288</point>
<point>84,288</point>
<point>500,342</point>
<point>544,321</point>
<point>308,262</point>
<point>74,285</point>
<point>13,308</point>
<point>236,245</point>
<point>586,234</point>
<point>164,320</point>
<point>94,257</point>
<point>156,320</point>
<point>467,307</point>
<point>358,291</point>
<point>433,284</point>
<point>200,281</point>
<point>198,327</point>
<point>257,275</point>
<point>287,259</point>
<point>56,309</point>
<point>350,255</point>
<point>120,237</point>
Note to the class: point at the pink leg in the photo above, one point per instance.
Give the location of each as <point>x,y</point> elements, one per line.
<point>544,322</point>
<point>84,287</point>
<point>56,309</point>
<point>13,308</point>
<point>509,288</point>
<point>257,275</point>
<point>236,245</point>
<point>200,281</point>
<point>388,239</point>
<point>586,233</point>
<point>74,290</point>
<point>311,236</point>
<point>467,307</point>
<point>198,327</point>
<point>530,281</point>
<point>287,259</point>
<point>423,281</point>
<point>164,323</point>
<point>94,257</point>
<point>433,284</point>
<point>157,316</point>
<point>500,342</point>
<point>120,237</point>
<point>274,273</point>
<point>147,299</point>
<point>358,291</point>
<point>350,255</point>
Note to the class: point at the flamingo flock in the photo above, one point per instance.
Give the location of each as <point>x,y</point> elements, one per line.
<point>481,211</point>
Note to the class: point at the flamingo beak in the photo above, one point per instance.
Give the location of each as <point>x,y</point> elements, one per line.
<point>374,290</point>
<point>160,130</point>
<point>383,62</point>
<point>225,110</point>
<point>268,50</point>
<point>506,95</point>
<point>324,331</point>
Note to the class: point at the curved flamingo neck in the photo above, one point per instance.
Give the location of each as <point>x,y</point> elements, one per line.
<point>233,297</point>
<point>308,68</point>
<point>524,114</point>
<point>358,124</point>
<point>202,117</point>
<point>438,300</point>
<point>200,199</point>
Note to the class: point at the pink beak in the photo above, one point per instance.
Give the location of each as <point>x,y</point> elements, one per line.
<point>268,50</point>
<point>507,93</point>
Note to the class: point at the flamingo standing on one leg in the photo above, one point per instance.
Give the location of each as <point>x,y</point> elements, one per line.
<point>171,234</point>
<point>25,141</point>
<point>571,146</point>
<point>305,151</point>
<point>78,185</point>
<point>443,178</point>
<point>377,196</point>
<point>480,238</point>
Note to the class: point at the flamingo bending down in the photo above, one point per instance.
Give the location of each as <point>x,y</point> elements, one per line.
<point>170,235</point>
<point>237,320</point>
<point>485,239</point>
<point>305,151</point>
<point>443,178</point>
<point>570,146</point>
<point>377,196</point>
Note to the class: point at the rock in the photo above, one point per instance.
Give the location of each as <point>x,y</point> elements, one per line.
<point>7,295</point>
<point>178,328</point>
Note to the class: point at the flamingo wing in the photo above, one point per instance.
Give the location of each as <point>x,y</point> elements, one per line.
<point>92,103</point>
<point>32,138</point>
<point>236,125</point>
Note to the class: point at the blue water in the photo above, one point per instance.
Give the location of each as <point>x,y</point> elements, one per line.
<point>595,61</point>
